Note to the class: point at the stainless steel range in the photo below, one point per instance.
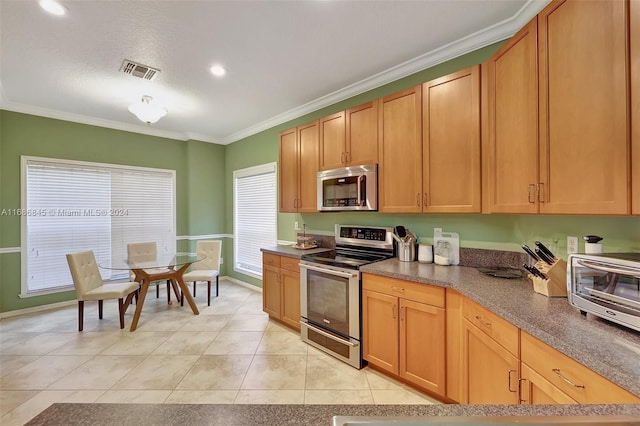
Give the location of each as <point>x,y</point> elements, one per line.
<point>330,290</point>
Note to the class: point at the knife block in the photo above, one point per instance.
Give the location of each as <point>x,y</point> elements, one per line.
<point>556,284</point>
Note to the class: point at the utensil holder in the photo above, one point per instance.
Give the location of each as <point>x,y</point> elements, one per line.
<point>556,284</point>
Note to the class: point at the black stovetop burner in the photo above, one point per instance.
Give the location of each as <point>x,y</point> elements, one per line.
<point>356,246</point>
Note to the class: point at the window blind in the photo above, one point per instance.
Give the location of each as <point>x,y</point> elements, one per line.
<point>77,206</point>
<point>255,216</point>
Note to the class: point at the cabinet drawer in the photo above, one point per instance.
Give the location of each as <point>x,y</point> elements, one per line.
<point>500,330</point>
<point>571,377</point>
<point>423,293</point>
<point>271,259</point>
<point>289,263</point>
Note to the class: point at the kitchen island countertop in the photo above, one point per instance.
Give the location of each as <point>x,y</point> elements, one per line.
<point>608,349</point>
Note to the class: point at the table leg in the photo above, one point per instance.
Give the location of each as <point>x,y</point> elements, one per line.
<point>185,289</point>
<point>144,286</point>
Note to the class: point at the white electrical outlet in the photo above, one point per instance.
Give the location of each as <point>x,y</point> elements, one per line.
<point>572,245</point>
<point>296,226</point>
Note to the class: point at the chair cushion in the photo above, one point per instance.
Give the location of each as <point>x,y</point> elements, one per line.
<point>111,291</point>
<point>200,275</point>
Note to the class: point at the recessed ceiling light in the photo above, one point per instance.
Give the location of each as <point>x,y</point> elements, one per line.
<point>218,70</point>
<point>53,7</point>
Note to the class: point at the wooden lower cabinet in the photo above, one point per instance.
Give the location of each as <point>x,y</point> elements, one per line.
<point>490,372</point>
<point>402,336</point>
<point>535,389</point>
<point>281,289</point>
<point>570,377</point>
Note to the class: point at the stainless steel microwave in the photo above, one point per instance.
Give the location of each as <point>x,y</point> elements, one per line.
<point>606,285</point>
<point>348,188</point>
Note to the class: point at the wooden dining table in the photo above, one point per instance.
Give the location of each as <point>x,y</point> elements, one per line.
<point>168,267</point>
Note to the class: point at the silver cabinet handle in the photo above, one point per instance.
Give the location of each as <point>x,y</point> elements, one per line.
<point>559,374</point>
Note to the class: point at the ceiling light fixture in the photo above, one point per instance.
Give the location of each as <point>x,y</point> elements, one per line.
<point>53,7</point>
<point>148,111</point>
<point>218,70</point>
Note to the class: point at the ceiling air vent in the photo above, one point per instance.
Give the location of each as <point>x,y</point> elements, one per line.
<point>139,70</point>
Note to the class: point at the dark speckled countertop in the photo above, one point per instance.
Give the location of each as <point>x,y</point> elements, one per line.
<point>606,348</point>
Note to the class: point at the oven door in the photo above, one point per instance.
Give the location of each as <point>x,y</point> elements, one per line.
<point>330,310</point>
<point>607,289</point>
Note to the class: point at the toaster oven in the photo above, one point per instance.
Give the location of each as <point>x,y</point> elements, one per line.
<point>606,285</point>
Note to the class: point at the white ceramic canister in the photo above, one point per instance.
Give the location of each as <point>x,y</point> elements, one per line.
<point>425,253</point>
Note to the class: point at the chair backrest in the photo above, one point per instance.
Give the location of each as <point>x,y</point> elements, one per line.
<point>141,252</point>
<point>211,249</point>
<point>84,271</point>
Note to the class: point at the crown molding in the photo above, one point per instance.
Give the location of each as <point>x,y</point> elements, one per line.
<point>475,41</point>
<point>495,33</point>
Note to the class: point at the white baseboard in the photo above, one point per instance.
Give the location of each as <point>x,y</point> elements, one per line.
<point>64,304</point>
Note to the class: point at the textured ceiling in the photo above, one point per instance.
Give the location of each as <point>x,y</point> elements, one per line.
<point>284,58</point>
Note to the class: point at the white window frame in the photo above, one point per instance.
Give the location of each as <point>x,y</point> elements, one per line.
<point>252,171</point>
<point>24,159</point>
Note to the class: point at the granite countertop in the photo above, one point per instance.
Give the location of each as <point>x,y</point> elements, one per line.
<point>612,351</point>
<point>291,251</point>
<point>272,415</point>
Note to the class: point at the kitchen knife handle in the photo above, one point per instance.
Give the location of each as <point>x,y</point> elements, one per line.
<point>545,250</point>
<point>544,256</point>
<point>530,252</point>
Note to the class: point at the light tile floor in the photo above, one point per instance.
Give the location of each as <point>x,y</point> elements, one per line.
<point>229,354</point>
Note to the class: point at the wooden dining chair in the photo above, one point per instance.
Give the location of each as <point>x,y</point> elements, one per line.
<point>206,269</point>
<point>89,286</point>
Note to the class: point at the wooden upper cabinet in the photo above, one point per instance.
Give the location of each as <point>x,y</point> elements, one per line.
<point>298,155</point>
<point>451,143</point>
<point>362,134</point>
<point>584,140</point>
<point>400,152</point>
<point>349,138</point>
<point>634,38</point>
<point>308,167</point>
<point>288,172</point>
<point>512,157</point>
<point>332,141</point>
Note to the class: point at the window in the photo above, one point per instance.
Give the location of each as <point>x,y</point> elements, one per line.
<point>71,206</point>
<point>255,216</point>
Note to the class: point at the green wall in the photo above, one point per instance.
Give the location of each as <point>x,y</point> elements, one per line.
<point>199,170</point>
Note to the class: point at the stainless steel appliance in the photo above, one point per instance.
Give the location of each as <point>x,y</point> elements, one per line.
<point>606,285</point>
<point>348,188</point>
<point>330,290</point>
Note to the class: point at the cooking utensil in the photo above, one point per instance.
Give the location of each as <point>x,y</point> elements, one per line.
<point>530,252</point>
<point>545,250</point>
<point>401,231</point>
<point>542,255</point>
<point>535,271</point>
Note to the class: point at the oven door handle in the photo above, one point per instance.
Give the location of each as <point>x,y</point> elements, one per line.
<point>329,271</point>
<point>328,335</point>
<point>614,270</point>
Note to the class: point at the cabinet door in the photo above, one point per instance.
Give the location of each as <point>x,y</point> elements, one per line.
<point>362,134</point>
<point>454,345</point>
<point>535,389</point>
<point>512,169</point>
<point>291,298</point>
<point>634,39</point>
<point>308,167</point>
<point>332,142</point>
<point>380,330</point>
<point>422,345</point>
<point>584,142</point>
<point>271,289</point>
<point>490,371</point>
<point>451,143</point>
<point>288,172</point>
<point>400,130</point>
